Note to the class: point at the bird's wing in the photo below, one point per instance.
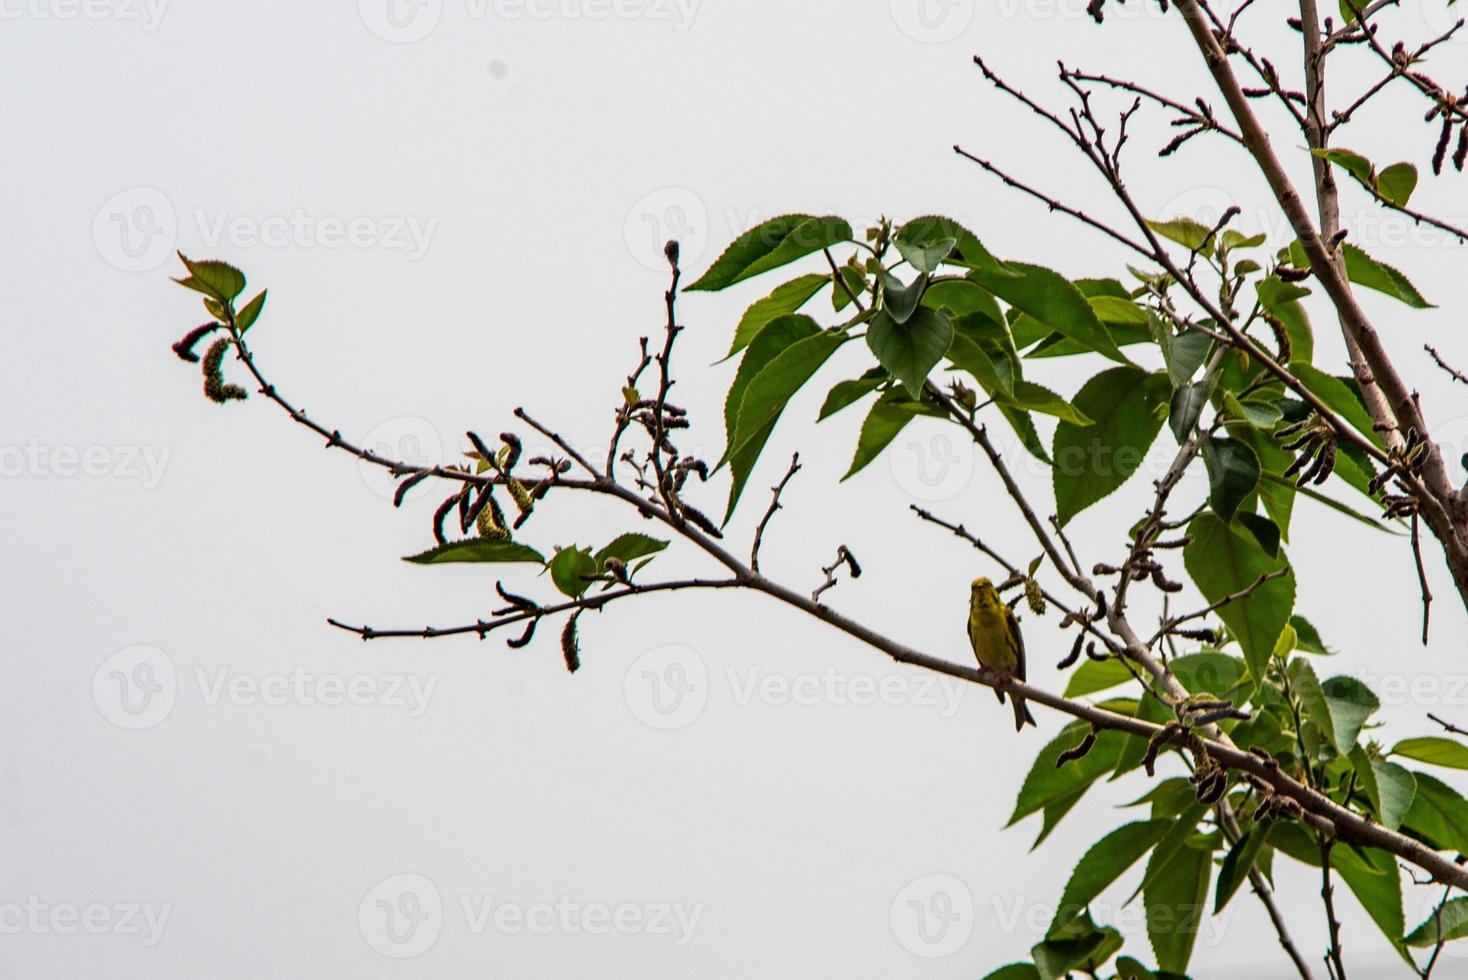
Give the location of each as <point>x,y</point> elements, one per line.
<point>1017,641</point>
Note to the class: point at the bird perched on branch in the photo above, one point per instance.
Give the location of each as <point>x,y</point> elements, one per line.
<point>994,634</point>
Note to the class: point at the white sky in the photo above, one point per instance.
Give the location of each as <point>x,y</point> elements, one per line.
<point>509,177</point>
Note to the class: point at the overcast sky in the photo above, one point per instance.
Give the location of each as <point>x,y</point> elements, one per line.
<point>458,207</point>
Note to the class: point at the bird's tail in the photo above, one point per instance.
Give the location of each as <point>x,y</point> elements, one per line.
<point>1022,714</point>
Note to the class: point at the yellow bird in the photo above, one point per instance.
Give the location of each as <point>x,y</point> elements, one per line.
<point>994,634</point>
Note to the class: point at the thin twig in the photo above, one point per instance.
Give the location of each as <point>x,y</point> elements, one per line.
<point>1421,579</point>
<point>775,491</point>
<point>1447,726</point>
<point>1194,113</point>
<point>1333,963</point>
<point>1437,921</point>
<point>840,280</point>
<point>484,627</point>
<point>1172,624</point>
<point>1054,204</point>
<point>1452,371</point>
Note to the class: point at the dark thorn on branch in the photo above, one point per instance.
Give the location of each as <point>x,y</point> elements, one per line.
<point>843,557</point>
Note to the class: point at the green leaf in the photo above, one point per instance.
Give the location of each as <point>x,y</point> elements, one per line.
<point>1390,788</point>
<point>1169,797</point>
<point>1185,408</point>
<point>910,350</point>
<point>1184,231</point>
<point>968,250</point>
<point>1434,751</point>
<point>1276,493</point>
<point>1312,697</point>
<point>1084,947</point>
<point>1209,672</point>
<point>960,297</point>
<point>1093,461</point>
<point>1350,703</point>
<point>1274,292</point>
<point>775,337</point>
<point>1183,353</point>
<point>925,257</point>
<point>1189,351</point>
<point>786,298</point>
<point>478,549</point>
<point>1222,561</point>
<point>1129,969</point>
<point>1295,841</point>
<point>1397,182</point>
<point>1353,163</point>
<point>1233,474</point>
<point>899,300</point>
<point>983,363</point>
<point>845,393</point>
<point>1176,898</point>
<point>1097,675</point>
<point>1438,814</point>
<point>1031,397</point>
<point>1106,860</point>
<point>570,569</point>
<point>1363,270</point>
<point>777,242</point>
<point>1054,301</point>
<point>1372,877</point>
<point>1117,310</point>
<point>1055,811</point>
<point>765,398</point>
<point>1057,344</point>
<point>1264,531</point>
<point>999,367</point>
<point>888,417</point>
<point>1015,971</point>
<point>1442,926</point>
<point>629,548</point>
<point>218,280</point>
<point>1259,414</point>
<point>1024,427</point>
<point>246,317</point>
<point>1308,637</point>
<point>1236,866</point>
